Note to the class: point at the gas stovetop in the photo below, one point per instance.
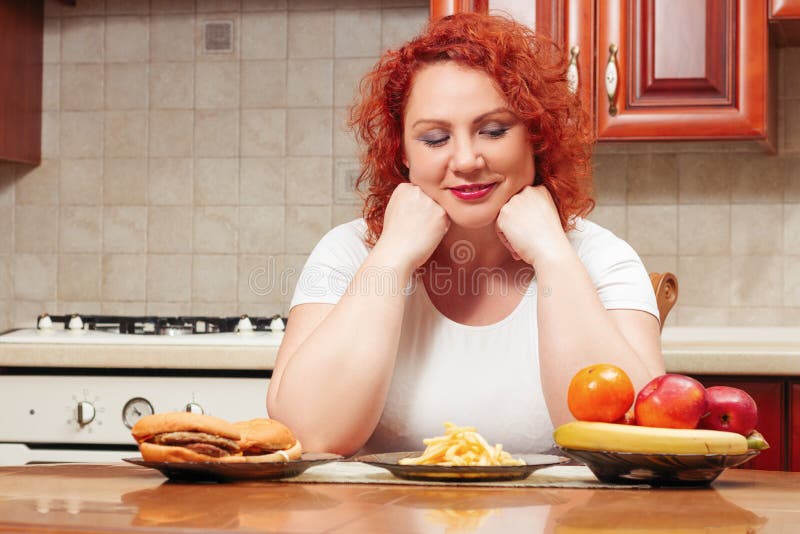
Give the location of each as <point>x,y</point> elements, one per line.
<point>198,331</point>
<point>73,386</point>
<point>165,326</point>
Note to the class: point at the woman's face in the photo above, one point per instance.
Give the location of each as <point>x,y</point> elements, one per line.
<point>463,145</point>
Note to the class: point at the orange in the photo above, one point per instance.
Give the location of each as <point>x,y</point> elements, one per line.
<point>601,392</point>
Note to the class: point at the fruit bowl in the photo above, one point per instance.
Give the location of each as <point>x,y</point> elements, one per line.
<point>657,469</point>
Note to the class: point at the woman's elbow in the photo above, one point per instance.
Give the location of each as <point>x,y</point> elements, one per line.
<point>313,439</point>
<point>341,447</point>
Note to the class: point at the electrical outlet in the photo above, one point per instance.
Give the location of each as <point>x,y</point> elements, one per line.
<point>346,171</point>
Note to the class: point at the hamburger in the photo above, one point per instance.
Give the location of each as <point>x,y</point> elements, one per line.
<point>186,437</point>
<point>190,437</point>
<point>267,440</point>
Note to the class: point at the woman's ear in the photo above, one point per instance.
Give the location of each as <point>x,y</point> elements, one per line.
<point>405,170</point>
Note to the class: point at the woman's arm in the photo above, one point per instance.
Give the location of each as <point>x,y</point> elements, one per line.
<point>335,364</point>
<point>575,329</point>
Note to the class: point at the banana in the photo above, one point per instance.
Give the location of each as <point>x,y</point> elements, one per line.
<point>756,441</point>
<point>591,436</point>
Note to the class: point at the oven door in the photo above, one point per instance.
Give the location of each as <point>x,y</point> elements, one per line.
<point>86,416</point>
<point>22,454</point>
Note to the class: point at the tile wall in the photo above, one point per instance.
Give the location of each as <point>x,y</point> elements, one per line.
<point>180,181</point>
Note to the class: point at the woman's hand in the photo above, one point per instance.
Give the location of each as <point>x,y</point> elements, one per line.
<point>529,226</point>
<point>413,225</point>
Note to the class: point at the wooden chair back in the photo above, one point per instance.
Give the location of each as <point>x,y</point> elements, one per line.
<point>665,286</point>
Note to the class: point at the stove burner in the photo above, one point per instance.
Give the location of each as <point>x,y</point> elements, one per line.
<point>164,326</point>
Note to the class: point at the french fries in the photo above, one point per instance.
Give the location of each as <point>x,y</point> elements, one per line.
<point>460,446</point>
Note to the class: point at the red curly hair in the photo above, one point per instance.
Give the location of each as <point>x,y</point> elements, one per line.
<point>530,71</point>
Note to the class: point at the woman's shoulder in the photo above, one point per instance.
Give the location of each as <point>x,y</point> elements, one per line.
<point>352,232</point>
<point>585,231</point>
<point>346,238</point>
<point>589,238</point>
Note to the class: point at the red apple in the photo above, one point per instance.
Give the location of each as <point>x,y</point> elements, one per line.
<point>730,409</point>
<point>671,401</point>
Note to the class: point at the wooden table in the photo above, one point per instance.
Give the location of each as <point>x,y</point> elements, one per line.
<point>127,498</point>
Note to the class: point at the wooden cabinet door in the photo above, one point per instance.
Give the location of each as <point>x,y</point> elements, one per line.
<point>682,69</point>
<point>789,9</point>
<point>769,395</point>
<point>784,17</point>
<point>21,42</point>
<point>442,8</point>
<point>579,37</point>
<point>794,427</point>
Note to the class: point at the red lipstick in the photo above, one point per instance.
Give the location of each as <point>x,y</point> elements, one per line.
<point>472,192</point>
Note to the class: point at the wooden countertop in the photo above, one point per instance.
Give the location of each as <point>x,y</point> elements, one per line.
<point>122,497</point>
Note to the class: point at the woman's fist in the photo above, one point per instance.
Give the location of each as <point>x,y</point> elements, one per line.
<point>413,225</point>
<point>529,226</point>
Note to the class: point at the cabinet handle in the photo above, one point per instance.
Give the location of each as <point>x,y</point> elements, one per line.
<point>612,79</point>
<point>573,75</point>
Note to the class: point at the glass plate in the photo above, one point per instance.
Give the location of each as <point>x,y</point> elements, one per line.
<point>468,473</point>
<point>658,469</point>
<point>230,472</point>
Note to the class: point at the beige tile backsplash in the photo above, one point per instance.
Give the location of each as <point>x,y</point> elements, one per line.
<point>177,181</point>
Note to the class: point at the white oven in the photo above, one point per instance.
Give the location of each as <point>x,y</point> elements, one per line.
<point>72,394</point>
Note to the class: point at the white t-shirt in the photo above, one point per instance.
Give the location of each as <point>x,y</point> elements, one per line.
<point>482,376</point>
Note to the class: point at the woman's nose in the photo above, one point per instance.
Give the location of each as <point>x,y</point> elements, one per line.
<point>465,158</point>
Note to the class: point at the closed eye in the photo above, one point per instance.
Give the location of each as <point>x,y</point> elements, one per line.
<point>495,132</point>
<point>434,140</point>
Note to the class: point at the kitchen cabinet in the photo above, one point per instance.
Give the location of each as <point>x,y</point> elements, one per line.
<point>785,9</point>
<point>441,8</point>
<point>21,49</point>
<point>665,69</point>
<point>677,69</point>
<point>784,19</point>
<point>794,426</point>
<point>770,396</point>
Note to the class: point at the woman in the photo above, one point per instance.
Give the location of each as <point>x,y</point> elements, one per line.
<point>426,310</point>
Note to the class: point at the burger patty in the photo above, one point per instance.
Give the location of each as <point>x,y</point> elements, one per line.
<point>198,442</point>
<point>207,449</point>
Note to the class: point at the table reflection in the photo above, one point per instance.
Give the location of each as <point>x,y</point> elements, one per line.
<point>199,505</point>
<point>457,509</point>
<point>650,511</point>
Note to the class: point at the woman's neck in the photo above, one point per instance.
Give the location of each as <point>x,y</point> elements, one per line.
<point>472,248</point>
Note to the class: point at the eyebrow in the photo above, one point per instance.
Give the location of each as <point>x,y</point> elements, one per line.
<point>477,119</point>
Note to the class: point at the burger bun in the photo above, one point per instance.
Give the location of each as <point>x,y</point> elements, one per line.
<point>152,452</point>
<point>267,440</point>
<point>161,423</point>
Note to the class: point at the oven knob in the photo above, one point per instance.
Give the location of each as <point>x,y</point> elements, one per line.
<point>193,407</point>
<point>85,413</point>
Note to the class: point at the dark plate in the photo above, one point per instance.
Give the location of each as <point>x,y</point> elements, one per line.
<point>230,472</point>
<point>658,469</point>
<point>471,473</point>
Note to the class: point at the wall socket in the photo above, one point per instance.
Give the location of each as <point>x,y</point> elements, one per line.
<point>345,173</point>
<point>218,36</point>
